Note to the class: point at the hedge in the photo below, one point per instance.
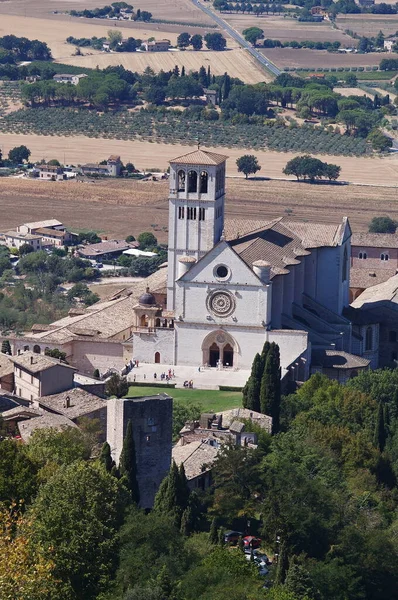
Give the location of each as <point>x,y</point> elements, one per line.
<point>230,388</point>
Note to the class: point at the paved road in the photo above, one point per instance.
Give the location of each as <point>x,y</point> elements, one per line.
<point>263,60</point>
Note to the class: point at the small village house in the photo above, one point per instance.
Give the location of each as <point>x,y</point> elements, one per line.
<point>68,78</point>
<point>51,172</point>
<point>156,45</point>
<point>14,239</point>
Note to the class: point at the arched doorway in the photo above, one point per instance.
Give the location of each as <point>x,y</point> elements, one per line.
<point>214,354</point>
<point>144,321</point>
<point>36,349</point>
<point>157,357</point>
<point>219,347</point>
<point>228,356</point>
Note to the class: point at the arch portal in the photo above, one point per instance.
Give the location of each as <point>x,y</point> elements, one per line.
<point>219,348</point>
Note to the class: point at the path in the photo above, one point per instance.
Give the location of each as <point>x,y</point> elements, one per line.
<point>258,56</point>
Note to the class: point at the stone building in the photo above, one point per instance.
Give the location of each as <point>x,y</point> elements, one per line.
<point>151,418</point>
<point>38,375</point>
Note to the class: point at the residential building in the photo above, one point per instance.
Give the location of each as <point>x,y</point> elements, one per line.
<point>53,237</point>
<point>198,458</point>
<point>76,404</point>
<point>151,418</point>
<point>51,172</point>
<point>14,239</point>
<point>106,250</point>
<point>68,78</point>
<point>6,373</point>
<point>374,259</point>
<point>12,417</point>
<point>112,167</point>
<point>37,375</point>
<point>156,45</point>
<point>34,226</point>
<point>211,96</point>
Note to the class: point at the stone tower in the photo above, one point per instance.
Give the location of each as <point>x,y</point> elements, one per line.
<point>196,209</point>
<point>152,418</point>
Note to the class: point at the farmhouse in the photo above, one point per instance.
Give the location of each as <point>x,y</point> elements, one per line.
<point>33,227</point>
<point>53,237</point>
<point>51,172</point>
<point>14,239</point>
<point>68,78</point>
<point>156,45</point>
<point>111,168</point>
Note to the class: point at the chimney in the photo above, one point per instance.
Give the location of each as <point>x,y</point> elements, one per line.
<point>31,360</point>
<point>67,402</point>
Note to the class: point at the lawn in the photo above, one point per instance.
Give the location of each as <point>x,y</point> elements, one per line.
<point>207,400</point>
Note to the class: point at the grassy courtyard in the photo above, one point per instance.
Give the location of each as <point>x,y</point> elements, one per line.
<point>207,400</point>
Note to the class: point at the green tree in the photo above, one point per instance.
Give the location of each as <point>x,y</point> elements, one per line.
<point>282,565</point>
<point>77,514</point>
<point>215,41</point>
<point>213,534</point>
<point>299,582</point>
<point>253,34</point>
<point>50,447</point>
<point>55,353</point>
<point>18,473</point>
<point>251,391</point>
<point>128,464</point>
<point>270,391</point>
<point>382,225</point>
<point>147,240</point>
<point>26,249</point>
<point>19,154</point>
<point>106,457</point>
<point>248,164</point>
<point>331,171</point>
<point>6,347</point>
<point>380,434</point>
<point>115,38</point>
<point>379,141</point>
<point>117,386</point>
<point>183,40</point>
<point>173,494</point>
<point>197,42</point>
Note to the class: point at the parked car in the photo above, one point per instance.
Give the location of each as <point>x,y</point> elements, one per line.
<point>251,542</point>
<point>232,537</point>
<point>260,563</point>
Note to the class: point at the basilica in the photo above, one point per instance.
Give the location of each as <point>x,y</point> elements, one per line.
<point>232,285</point>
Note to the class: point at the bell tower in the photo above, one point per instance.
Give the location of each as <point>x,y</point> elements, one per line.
<point>196,209</point>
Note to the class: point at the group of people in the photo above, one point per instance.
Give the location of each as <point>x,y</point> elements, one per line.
<point>188,384</point>
<point>165,376</point>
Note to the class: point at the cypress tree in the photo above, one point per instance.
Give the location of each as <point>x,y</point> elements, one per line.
<point>251,391</point>
<point>186,522</point>
<point>380,435</point>
<point>128,465</point>
<point>183,489</point>
<point>6,347</point>
<point>208,75</point>
<point>213,534</point>
<point>299,582</point>
<point>270,391</point>
<point>221,536</point>
<point>226,86</point>
<point>106,457</point>
<point>173,494</point>
<point>282,566</point>
<point>183,71</point>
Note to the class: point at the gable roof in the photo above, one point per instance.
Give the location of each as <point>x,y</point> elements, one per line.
<point>45,421</point>
<point>387,291</point>
<point>36,363</point>
<point>200,157</point>
<point>73,403</point>
<point>197,457</point>
<point>375,240</point>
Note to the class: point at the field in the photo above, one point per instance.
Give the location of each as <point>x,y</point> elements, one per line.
<point>235,61</point>
<point>277,27</point>
<point>118,207</point>
<point>354,91</point>
<point>320,59</point>
<point>207,400</point>
<point>369,25</point>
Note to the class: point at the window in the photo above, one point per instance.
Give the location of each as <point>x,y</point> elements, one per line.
<point>204,178</point>
<point>192,182</point>
<point>369,339</point>
<point>384,256</point>
<point>201,214</point>
<point>181,212</point>
<point>363,255</point>
<point>181,181</point>
<point>221,272</point>
<point>392,337</point>
<point>191,213</point>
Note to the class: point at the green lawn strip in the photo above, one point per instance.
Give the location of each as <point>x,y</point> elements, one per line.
<point>208,400</point>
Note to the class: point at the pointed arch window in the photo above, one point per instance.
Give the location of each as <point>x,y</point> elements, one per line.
<point>181,181</point>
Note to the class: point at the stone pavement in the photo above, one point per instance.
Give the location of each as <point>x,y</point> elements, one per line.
<point>207,379</point>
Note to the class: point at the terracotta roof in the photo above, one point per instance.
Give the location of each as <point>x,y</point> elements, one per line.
<point>50,232</point>
<point>47,223</point>
<point>46,421</point>
<point>6,365</point>
<point>335,359</point>
<point>35,363</point>
<point>197,457</point>
<point>22,236</point>
<point>200,157</point>
<point>114,158</point>
<point>104,248</point>
<point>375,240</point>
<point>383,292</point>
<point>364,278</point>
<point>73,403</point>
<point>229,416</point>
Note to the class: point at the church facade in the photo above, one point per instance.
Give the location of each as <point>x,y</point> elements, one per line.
<point>232,285</point>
